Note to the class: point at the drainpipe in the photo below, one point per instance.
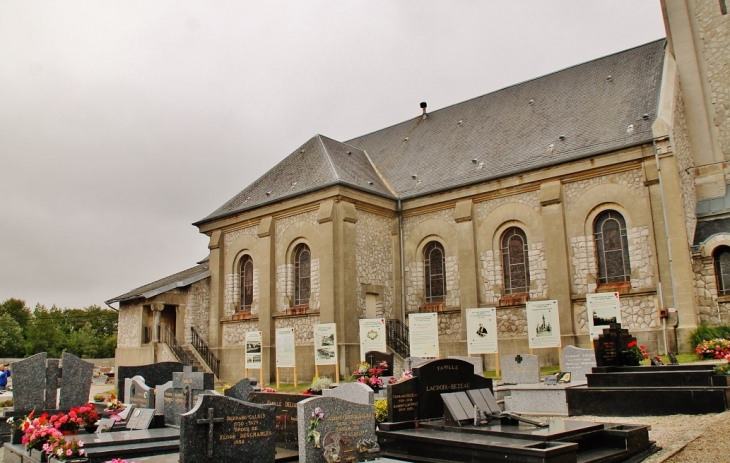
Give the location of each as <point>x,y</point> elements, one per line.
<point>669,243</point>
<point>402,263</point>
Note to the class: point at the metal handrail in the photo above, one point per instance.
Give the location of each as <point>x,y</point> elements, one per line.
<point>168,338</point>
<point>396,337</point>
<point>208,356</point>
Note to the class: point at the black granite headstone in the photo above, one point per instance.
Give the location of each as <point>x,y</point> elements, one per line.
<point>182,396</point>
<point>444,375</point>
<point>242,389</point>
<point>75,381</point>
<point>374,358</point>
<point>154,374</point>
<point>611,346</point>
<point>403,401</point>
<point>221,428</point>
<point>286,415</point>
<point>29,383</point>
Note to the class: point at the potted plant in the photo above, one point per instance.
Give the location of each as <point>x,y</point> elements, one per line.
<point>59,449</point>
<point>373,375</point>
<point>18,426</point>
<point>635,355</point>
<point>38,432</point>
<point>67,423</point>
<point>88,415</point>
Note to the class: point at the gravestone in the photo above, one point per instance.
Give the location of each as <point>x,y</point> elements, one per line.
<point>403,401</point>
<point>154,374</point>
<point>374,358</point>
<point>242,389</point>
<point>611,346</point>
<point>444,375</point>
<point>140,418</point>
<point>413,362</point>
<point>139,394</point>
<point>286,415</point>
<point>221,428</point>
<point>476,361</point>
<point>160,397</point>
<point>75,382</point>
<point>520,369</point>
<point>578,361</point>
<point>104,425</point>
<point>182,396</point>
<point>29,383</point>
<point>355,421</point>
<point>354,392</point>
<point>53,381</point>
<point>128,383</point>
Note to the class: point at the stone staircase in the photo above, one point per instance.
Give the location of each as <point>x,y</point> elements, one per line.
<point>198,364</point>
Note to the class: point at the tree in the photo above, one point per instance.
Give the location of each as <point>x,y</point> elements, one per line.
<point>44,332</point>
<point>17,309</point>
<point>11,337</point>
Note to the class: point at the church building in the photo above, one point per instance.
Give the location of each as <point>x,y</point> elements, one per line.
<point>606,176</point>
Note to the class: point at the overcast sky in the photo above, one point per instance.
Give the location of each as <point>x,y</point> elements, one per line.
<point>122,122</point>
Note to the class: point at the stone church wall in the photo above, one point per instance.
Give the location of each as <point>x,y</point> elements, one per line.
<point>129,331</point>
<point>709,308</point>
<point>685,164</point>
<point>374,259</point>
<point>197,309</point>
<point>234,334</point>
<point>233,292</point>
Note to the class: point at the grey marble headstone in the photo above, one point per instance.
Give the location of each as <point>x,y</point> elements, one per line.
<point>29,383</point>
<point>140,395</point>
<point>178,401</point>
<point>221,428</point>
<point>520,369</point>
<point>356,421</point>
<point>160,397</point>
<point>415,362</point>
<point>75,382</point>
<point>476,361</point>
<point>578,362</point>
<point>354,392</point>
<point>53,381</point>
<point>242,389</point>
<point>193,379</point>
<point>128,384</point>
<point>154,374</point>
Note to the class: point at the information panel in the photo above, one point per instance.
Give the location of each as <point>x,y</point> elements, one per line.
<point>603,309</point>
<point>325,344</point>
<point>253,349</point>
<point>423,331</point>
<point>543,324</point>
<point>372,336</point>
<point>285,348</point>
<point>481,330</point>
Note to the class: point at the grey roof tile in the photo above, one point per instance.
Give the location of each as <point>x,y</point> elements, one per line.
<point>178,280</point>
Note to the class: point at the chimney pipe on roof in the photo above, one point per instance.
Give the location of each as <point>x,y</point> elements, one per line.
<point>423,107</point>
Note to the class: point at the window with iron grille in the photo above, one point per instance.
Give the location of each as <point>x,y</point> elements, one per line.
<point>612,248</point>
<point>515,265</point>
<point>435,272</point>
<point>302,274</point>
<point>246,284</point>
<point>721,257</point>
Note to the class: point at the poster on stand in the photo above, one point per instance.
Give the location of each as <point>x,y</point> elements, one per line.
<point>253,349</point>
<point>423,329</point>
<point>481,330</point>
<point>372,336</point>
<point>325,344</point>
<point>603,309</point>
<point>543,324</point>
<point>285,348</point>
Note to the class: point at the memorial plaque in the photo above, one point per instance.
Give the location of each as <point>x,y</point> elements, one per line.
<point>356,421</point>
<point>403,401</point>
<point>29,383</point>
<point>221,428</point>
<point>578,361</point>
<point>75,382</point>
<point>154,374</point>
<point>140,395</point>
<point>140,418</point>
<point>520,369</point>
<point>104,425</point>
<point>444,375</point>
<point>286,415</point>
<point>242,389</point>
<point>354,392</point>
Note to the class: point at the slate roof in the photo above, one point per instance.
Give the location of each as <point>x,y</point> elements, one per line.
<point>706,228</point>
<point>510,131</point>
<point>178,280</point>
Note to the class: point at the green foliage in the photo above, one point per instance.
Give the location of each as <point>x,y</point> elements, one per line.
<point>381,410</point>
<point>11,337</point>
<point>706,332</point>
<point>17,310</point>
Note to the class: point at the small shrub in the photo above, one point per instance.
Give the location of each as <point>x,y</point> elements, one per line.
<point>706,332</point>
<point>320,383</point>
<point>381,410</point>
<point>6,403</point>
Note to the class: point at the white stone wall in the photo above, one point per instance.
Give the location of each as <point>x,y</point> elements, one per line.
<point>229,237</point>
<point>581,313</point>
<point>530,199</point>
<point>640,253</point>
<point>538,270</point>
<point>374,258</point>
<point>197,309</point>
<point>685,164</point>
<point>632,179</point>
<point>583,259</point>
<point>493,276</point>
<point>512,322</point>
<point>303,328</point>
<point>491,272</point>
<point>452,282</point>
<point>129,331</point>
<point>284,223</point>
<point>639,312</point>
<point>706,293</point>
<point>714,31</point>
<point>450,327</point>
<point>416,284</point>
<point>285,286</point>
<point>233,292</point>
<point>234,334</point>
<point>409,223</point>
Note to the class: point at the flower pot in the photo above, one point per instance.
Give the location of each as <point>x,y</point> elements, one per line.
<point>16,437</point>
<point>73,460</point>
<point>69,432</point>
<point>39,455</point>
<point>90,428</point>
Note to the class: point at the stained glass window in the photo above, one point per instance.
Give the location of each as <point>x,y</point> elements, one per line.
<point>302,274</point>
<point>721,256</point>
<point>435,270</point>
<point>246,283</point>
<point>612,248</point>
<point>514,261</point>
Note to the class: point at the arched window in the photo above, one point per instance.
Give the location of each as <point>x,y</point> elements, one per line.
<point>612,248</point>
<point>721,257</point>
<point>435,269</point>
<point>514,261</point>
<point>246,283</point>
<point>302,274</point>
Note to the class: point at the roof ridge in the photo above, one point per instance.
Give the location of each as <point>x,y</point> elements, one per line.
<point>327,154</point>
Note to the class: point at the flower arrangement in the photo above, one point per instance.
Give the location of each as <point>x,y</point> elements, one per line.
<point>406,375</point>
<point>20,424</point>
<point>38,431</point>
<point>313,434</point>
<point>119,460</point>
<point>268,389</point>
<point>66,422</point>
<point>638,353</point>
<point>62,449</point>
<point>87,414</point>
<point>713,349</point>
<point>114,407</point>
<point>372,375</point>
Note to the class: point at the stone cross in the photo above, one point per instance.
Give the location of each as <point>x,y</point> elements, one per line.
<point>210,421</point>
<point>518,358</point>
